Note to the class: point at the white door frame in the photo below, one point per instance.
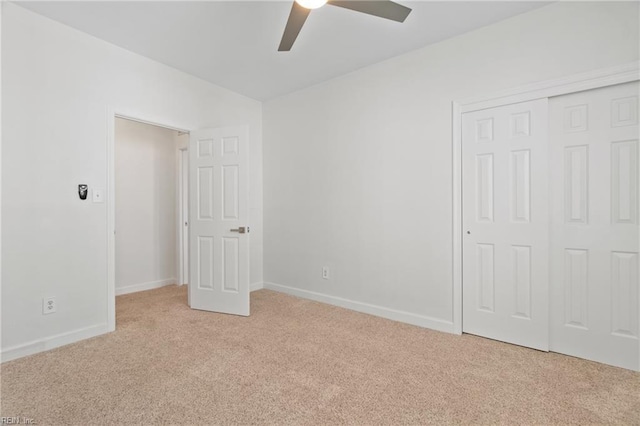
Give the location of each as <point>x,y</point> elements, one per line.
<point>561,86</point>
<point>182,267</point>
<point>112,113</point>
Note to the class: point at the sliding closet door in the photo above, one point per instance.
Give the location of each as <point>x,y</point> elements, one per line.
<point>505,223</point>
<point>594,238</point>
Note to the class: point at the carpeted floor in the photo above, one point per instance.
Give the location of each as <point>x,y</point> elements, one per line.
<point>300,362</point>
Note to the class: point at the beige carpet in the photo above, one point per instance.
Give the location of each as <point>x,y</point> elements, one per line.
<point>300,362</point>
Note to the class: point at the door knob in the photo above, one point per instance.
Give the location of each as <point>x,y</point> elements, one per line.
<point>240,230</point>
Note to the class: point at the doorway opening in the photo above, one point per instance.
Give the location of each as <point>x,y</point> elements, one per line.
<point>149,204</point>
<point>215,200</point>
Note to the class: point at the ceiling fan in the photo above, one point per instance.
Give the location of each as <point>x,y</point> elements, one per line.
<point>301,9</point>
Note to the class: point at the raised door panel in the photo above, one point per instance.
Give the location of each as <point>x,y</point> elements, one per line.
<point>204,257</point>
<point>231,193</point>
<point>576,184</point>
<point>576,266</point>
<point>205,188</point>
<point>231,264</point>
<point>484,194</point>
<point>521,267</point>
<point>624,297</point>
<point>486,281</point>
<point>624,182</point>
<point>520,182</point>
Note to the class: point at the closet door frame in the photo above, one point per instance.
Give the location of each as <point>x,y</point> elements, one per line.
<point>575,83</point>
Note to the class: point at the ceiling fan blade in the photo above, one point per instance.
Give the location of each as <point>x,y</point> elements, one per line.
<point>296,20</point>
<point>382,8</point>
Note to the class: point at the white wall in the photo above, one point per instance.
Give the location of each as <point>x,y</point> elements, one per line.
<point>57,86</point>
<point>146,206</point>
<point>357,170</point>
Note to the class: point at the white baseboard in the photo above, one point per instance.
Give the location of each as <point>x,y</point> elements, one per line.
<point>256,286</point>
<point>52,342</point>
<point>144,286</point>
<point>379,311</point>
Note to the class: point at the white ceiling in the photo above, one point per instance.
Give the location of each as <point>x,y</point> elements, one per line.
<point>234,43</point>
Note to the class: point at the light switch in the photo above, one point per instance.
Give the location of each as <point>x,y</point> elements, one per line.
<point>97,196</point>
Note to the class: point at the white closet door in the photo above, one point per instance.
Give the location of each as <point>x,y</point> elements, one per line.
<point>505,223</point>
<point>594,238</point>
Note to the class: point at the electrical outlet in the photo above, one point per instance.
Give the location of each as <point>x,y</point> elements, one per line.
<point>48,305</point>
<point>325,272</point>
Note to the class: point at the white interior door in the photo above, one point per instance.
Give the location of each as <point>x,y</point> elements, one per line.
<point>595,233</point>
<point>505,223</point>
<point>219,217</point>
